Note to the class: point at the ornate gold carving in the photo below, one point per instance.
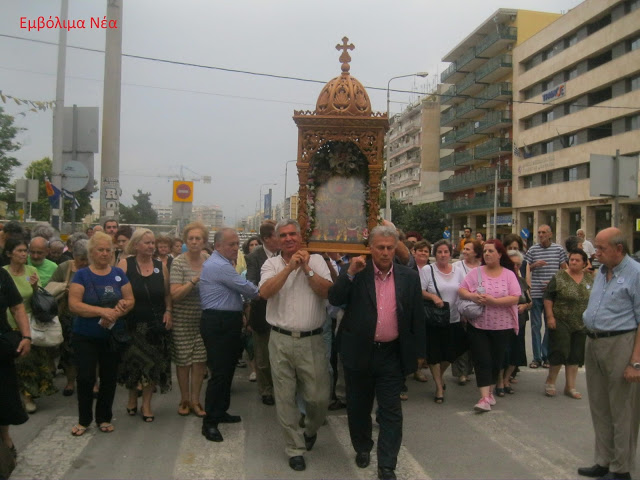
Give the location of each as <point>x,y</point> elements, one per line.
<point>345,58</point>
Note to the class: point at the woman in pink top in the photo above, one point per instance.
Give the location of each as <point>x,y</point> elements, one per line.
<point>490,332</point>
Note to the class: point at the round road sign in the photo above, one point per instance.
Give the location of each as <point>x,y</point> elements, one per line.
<point>75,176</point>
<point>183,191</point>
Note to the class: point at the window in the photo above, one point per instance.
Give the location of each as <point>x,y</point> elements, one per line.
<point>572,173</point>
<point>547,54</point>
<point>601,59</point>
<point>599,96</point>
<point>598,24</point>
<point>596,133</point>
<point>632,123</point>
<point>631,5</point>
<point>529,93</point>
<point>575,107</point>
<point>547,147</point>
<point>570,74</point>
<point>570,41</point>
<point>527,123</point>
<point>569,140</point>
<point>544,85</point>
<point>633,44</point>
<point>633,83</point>
<point>547,116</point>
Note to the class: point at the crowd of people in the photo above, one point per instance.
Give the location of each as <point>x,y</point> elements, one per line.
<point>321,331</point>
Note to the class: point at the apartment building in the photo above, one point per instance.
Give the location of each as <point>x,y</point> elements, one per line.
<point>476,145</point>
<point>577,86</point>
<point>413,140</point>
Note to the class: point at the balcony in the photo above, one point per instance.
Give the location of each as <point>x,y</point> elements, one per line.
<point>469,109</point>
<point>447,117</point>
<point>495,68</point>
<point>448,140</point>
<point>469,85</point>
<point>474,178</point>
<point>456,159</point>
<point>494,121</point>
<point>451,70</point>
<point>448,162</point>
<point>407,181</point>
<point>468,133</point>
<point>404,147</point>
<point>479,202</point>
<point>493,148</point>
<point>470,60</point>
<point>495,42</point>
<point>494,95</point>
<point>450,97</point>
<point>408,161</point>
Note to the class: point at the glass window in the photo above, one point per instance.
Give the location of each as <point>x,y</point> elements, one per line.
<point>570,41</point>
<point>633,83</point>
<point>634,43</point>
<point>573,174</point>
<point>571,73</point>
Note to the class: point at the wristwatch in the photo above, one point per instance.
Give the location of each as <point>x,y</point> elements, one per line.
<point>635,365</point>
<point>310,274</point>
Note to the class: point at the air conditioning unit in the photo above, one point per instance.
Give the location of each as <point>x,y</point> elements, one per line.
<point>509,47</point>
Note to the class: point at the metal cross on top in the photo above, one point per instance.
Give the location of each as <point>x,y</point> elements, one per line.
<point>345,58</point>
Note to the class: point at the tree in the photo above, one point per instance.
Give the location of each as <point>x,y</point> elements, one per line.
<point>8,134</point>
<point>140,212</point>
<point>426,218</point>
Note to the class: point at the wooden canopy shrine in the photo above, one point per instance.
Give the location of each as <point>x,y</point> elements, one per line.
<point>340,164</point>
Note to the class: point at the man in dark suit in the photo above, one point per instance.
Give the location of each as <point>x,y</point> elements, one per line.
<point>257,316</point>
<point>381,338</point>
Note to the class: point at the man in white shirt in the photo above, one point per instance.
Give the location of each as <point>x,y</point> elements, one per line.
<point>587,246</point>
<point>296,286</point>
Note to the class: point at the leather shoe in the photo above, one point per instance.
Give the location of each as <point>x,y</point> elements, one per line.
<point>226,418</point>
<point>337,405</point>
<point>616,476</point>
<point>212,433</point>
<point>363,459</point>
<point>268,400</point>
<point>386,473</point>
<point>297,463</point>
<point>594,471</point>
<point>309,442</point>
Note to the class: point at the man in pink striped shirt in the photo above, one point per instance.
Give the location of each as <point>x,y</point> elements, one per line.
<point>381,338</point>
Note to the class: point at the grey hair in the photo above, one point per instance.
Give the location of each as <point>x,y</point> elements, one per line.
<point>618,239</point>
<point>516,253</point>
<point>137,235</point>
<point>81,248</point>
<point>75,237</point>
<point>218,236</point>
<point>580,230</point>
<point>285,223</point>
<point>55,241</point>
<point>43,230</point>
<point>384,231</point>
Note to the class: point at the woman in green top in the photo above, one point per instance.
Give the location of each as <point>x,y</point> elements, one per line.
<point>34,370</point>
<point>565,299</point>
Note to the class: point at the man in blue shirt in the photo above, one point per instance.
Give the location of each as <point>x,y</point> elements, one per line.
<point>612,358</point>
<point>221,296</point>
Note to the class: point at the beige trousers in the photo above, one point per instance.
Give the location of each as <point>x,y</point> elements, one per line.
<point>299,365</point>
<point>614,403</point>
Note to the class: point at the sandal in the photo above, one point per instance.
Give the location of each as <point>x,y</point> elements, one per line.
<point>67,392</point>
<point>534,364</point>
<point>509,390</point>
<point>106,427</point>
<point>78,430</point>
<point>573,393</point>
<point>147,418</point>
<point>438,400</point>
<point>549,389</point>
<point>499,391</point>
<point>198,410</point>
<point>132,411</point>
<point>546,365</point>
<point>404,396</point>
<point>184,408</point>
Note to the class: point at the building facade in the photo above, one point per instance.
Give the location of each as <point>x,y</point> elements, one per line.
<point>577,87</point>
<point>210,215</point>
<point>476,145</point>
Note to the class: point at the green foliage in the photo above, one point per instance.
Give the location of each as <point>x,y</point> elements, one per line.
<point>8,144</point>
<point>140,212</point>
<point>426,218</point>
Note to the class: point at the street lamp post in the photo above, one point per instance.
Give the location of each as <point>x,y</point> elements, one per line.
<point>286,166</point>
<point>387,210</point>
<point>260,197</point>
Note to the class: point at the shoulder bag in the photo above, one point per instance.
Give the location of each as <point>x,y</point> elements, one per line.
<point>58,289</point>
<point>436,316</point>
<point>43,306</point>
<point>45,334</point>
<point>468,308</point>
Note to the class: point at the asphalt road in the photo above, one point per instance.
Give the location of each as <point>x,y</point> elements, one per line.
<point>526,436</point>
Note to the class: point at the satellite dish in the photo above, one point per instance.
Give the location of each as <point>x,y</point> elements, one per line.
<point>75,176</point>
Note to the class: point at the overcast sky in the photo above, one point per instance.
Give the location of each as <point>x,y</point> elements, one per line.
<point>236,128</point>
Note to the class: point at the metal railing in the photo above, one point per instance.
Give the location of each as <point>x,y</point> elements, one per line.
<point>504,60</point>
<point>504,33</point>
<point>474,177</point>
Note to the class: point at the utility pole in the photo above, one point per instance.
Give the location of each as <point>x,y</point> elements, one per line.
<point>58,119</point>
<point>110,162</point>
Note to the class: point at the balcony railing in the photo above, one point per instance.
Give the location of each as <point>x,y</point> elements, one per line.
<point>466,107</point>
<point>504,33</point>
<point>456,159</point>
<point>447,116</point>
<point>466,131</point>
<point>405,181</point>
<point>492,148</point>
<point>493,91</point>
<point>495,118</point>
<point>449,96</point>
<point>501,61</point>
<point>413,160</point>
<point>448,139</point>
<point>451,69</point>
<point>479,202</point>
<point>466,82</point>
<point>466,58</point>
<point>447,163</point>
<point>472,178</point>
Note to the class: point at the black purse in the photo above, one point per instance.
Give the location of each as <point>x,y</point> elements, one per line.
<point>43,306</point>
<point>436,316</point>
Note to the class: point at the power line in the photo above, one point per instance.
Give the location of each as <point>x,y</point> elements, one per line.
<point>299,79</point>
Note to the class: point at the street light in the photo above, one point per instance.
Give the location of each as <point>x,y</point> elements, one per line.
<point>260,197</point>
<point>286,166</point>
<point>387,210</point>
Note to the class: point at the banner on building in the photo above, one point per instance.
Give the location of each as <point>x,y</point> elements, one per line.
<point>267,205</point>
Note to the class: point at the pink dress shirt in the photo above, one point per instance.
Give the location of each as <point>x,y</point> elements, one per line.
<point>387,323</point>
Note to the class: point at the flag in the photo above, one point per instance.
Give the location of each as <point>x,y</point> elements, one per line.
<point>70,196</point>
<point>516,150</point>
<point>53,193</point>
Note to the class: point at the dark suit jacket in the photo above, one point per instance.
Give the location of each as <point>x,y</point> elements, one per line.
<point>257,317</point>
<point>358,327</point>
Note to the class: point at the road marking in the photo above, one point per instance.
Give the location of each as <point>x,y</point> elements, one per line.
<point>407,468</point>
<point>199,458</point>
<point>548,459</point>
<point>53,451</point>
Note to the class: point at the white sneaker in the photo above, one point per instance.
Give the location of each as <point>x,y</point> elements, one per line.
<point>252,377</point>
<point>483,405</point>
<point>29,404</point>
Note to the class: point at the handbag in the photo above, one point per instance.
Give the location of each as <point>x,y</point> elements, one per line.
<point>436,316</point>
<point>58,289</point>
<point>468,308</point>
<point>43,306</point>
<point>45,334</point>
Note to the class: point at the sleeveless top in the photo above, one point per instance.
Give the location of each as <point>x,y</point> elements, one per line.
<point>148,293</point>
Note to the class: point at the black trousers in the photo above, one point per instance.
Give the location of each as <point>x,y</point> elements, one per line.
<point>487,349</point>
<point>90,353</point>
<point>221,332</point>
<point>383,381</point>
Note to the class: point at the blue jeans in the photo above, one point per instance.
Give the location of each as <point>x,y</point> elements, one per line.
<point>540,348</point>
